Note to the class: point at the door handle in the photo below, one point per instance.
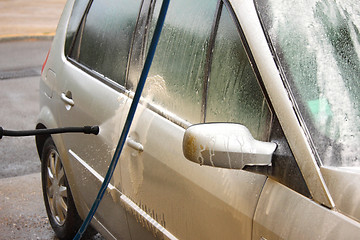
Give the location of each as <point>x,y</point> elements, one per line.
<point>67,98</point>
<point>134,144</point>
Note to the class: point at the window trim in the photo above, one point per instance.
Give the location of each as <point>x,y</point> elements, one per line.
<point>209,58</point>
<point>71,46</point>
<point>108,82</point>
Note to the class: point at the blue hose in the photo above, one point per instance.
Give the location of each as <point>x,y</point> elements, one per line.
<point>129,118</point>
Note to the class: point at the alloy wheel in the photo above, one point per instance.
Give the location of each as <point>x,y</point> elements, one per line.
<point>56,188</point>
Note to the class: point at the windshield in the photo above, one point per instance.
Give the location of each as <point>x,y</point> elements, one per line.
<point>318,45</point>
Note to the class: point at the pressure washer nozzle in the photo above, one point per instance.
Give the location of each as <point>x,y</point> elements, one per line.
<point>91,130</point>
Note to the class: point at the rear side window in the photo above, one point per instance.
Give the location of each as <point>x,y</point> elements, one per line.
<point>104,37</point>
<point>77,14</point>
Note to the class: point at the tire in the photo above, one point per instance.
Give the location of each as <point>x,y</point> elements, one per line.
<point>59,204</point>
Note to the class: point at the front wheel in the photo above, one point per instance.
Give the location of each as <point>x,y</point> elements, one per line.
<point>58,200</point>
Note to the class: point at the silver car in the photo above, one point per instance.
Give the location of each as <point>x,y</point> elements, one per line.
<point>248,126</point>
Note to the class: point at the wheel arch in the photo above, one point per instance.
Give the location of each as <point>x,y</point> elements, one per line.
<point>40,139</point>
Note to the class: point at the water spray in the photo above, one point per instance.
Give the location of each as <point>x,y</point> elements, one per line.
<point>86,130</point>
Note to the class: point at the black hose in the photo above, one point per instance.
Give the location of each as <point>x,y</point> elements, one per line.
<point>87,130</point>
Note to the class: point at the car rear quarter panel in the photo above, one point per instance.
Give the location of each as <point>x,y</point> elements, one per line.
<point>50,103</point>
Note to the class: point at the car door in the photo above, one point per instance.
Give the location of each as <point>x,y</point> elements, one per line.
<point>167,194</point>
<point>93,93</point>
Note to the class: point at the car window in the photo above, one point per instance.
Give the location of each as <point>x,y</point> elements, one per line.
<point>74,22</point>
<point>176,77</point>
<point>104,39</point>
<point>139,45</point>
<point>234,94</point>
<point>321,65</point>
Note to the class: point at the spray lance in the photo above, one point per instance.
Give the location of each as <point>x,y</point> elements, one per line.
<point>86,130</point>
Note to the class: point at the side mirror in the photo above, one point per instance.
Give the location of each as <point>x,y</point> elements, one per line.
<point>225,145</point>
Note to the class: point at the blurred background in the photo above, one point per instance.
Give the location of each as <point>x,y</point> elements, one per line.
<point>26,30</point>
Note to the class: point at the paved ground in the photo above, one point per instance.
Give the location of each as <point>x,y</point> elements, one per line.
<point>18,155</point>
<point>20,66</point>
<point>22,213</point>
<point>18,55</point>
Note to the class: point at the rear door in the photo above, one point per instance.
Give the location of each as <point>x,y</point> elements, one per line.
<point>94,94</point>
<point>200,73</point>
